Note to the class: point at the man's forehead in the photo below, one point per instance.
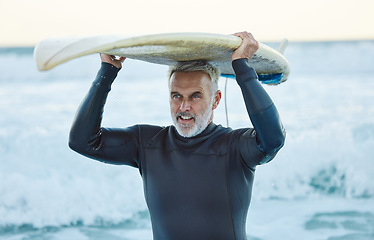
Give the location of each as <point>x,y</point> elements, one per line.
<point>190,78</point>
<point>188,86</point>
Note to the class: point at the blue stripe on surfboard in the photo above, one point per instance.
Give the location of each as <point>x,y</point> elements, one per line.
<point>273,78</point>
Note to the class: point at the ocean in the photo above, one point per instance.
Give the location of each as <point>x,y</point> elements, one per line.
<point>319,187</point>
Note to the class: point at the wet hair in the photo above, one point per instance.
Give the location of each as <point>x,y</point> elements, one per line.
<point>195,66</point>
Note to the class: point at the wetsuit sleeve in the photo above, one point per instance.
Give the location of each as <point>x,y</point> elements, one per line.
<point>268,131</point>
<point>87,137</point>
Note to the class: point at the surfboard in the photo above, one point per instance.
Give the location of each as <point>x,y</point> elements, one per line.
<point>167,49</point>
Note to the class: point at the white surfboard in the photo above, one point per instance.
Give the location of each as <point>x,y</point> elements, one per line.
<point>271,66</point>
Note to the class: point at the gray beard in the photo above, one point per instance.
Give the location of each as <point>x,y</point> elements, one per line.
<point>201,122</point>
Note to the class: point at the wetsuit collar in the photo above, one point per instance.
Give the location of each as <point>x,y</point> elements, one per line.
<point>209,129</point>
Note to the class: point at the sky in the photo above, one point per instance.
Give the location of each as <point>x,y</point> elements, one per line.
<point>26,22</point>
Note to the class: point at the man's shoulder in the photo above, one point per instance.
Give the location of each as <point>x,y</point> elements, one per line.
<point>147,128</point>
<point>227,137</point>
<point>232,132</point>
<point>146,132</point>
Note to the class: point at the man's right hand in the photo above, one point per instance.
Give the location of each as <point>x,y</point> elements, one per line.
<point>111,59</point>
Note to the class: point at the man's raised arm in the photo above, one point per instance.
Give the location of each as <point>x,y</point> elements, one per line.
<point>270,134</point>
<point>86,135</point>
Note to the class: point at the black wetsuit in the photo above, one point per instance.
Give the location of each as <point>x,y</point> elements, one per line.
<point>196,188</point>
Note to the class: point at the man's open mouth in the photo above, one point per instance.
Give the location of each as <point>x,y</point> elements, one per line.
<point>185,118</point>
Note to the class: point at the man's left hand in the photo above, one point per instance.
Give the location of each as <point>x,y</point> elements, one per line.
<point>248,47</point>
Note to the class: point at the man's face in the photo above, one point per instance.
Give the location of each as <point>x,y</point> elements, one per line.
<point>191,102</point>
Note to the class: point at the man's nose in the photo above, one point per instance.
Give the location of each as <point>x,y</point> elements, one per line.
<point>185,105</point>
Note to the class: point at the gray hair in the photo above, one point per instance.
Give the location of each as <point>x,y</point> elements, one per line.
<point>194,66</point>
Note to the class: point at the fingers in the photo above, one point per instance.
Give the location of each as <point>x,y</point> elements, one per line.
<point>115,58</point>
<point>247,37</point>
<point>117,62</point>
<point>248,46</point>
<point>111,58</point>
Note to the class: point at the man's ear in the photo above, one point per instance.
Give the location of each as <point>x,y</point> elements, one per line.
<point>217,99</point>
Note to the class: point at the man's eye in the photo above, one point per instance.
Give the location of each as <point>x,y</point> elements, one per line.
<point>175,96</point>
<point>196,96</point>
